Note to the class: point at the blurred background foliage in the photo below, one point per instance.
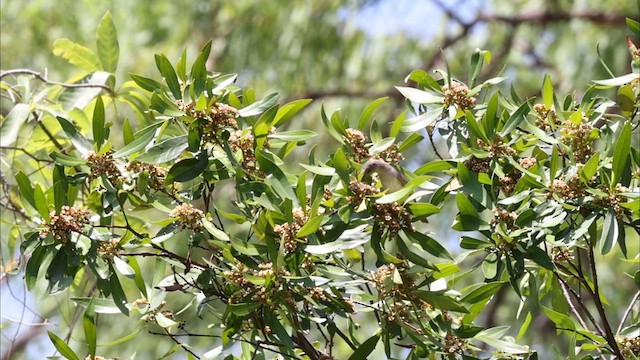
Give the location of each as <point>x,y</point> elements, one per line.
<point>341,53</point>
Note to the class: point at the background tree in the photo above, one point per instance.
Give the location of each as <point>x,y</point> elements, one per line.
<point>132,102</point>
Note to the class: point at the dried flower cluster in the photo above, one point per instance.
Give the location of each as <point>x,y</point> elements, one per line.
<point>360,191</point>
<point>457,94</point>
<point>70,219</point>
<point>497,148</point>
<point>527,162</point>
<point>629,346</point>
<point>108,249</point>
<point>453,344</point>
<point>188,217</point>
<point>245,143</point>
<point>561,254</point>
<point>502,216</point>
<point>570,189</point>
<point>478,165</point>
<point>288,231</point>
<point>547,119</point>
<point>357,142</point>
<point>156,173</point>
<point>151,315</point>
<point>391,154</point>
<point>263,294</point>
<point>579,138</point>
<point>392,216</point>
<point>217,117</point>
<point>103,164</point>
<point>613,200</point>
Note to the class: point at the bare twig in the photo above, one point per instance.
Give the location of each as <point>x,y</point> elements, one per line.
<point>42,78</point>
<point>627,312</point>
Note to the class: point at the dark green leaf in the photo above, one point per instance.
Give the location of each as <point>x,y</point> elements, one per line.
<point>146,83</point>
<point>365,349</point>
<point>621,153</point>
<point>482,292</point>
<point>515,119</point>
<point>199,70</point>
<point>610,232</point>
<point>169,74</point>
<point>25,188</point>
<point>429,244</point>
<point>164,106</point>
<point>62,347</point>
<point>90,335</point>
<point>74,135</point>
<point>441,302</point>
<point>98,122</point>
<point>138,143</point>
<point>187,169</point>
<point>41,202</point>
<point>243,309</point>
<point>435,166</point>
<point>107,44</point>
<point>165,151</point>
<point>261,106</point>
<point>119,298</point>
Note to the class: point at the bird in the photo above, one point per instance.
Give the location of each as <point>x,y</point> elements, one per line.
<point>391,179</point>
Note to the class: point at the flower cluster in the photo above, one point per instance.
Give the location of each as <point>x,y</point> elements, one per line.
<point>497,148</point>
<point>527,162</point>
<point>108,249</point>
<point>70,219</point>
<point>155,172</point>
<point>613,200</point>
<point>188,217</point>
<point>629,346</point>
<point>391,154</point>
<point>457,94</point>
<point>360,191</point>
<point>392,216</point>
<point>245,142</point>
<point>217,117</point>
<point>263,294</point>
<point>570,189</point>
<point>357,142</point>
<point>561,254</point>
<point>478,165</point>
<point>579,138</point>
<point>288,231</point>
<point>502,216</point>
<point>103,164</point>
<point>453,344</point>
<point>547,118</point>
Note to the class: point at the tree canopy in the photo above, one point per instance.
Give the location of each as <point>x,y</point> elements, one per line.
<point>179,211</point>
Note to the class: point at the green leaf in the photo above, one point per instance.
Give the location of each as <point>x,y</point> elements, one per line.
<point>381,145</point>
<point>620,154</point>
<point>78,141</point>
<point>320,170</point>
<point>490,118</point>
<point>146,83</point>
<point>98,123</point>
<point>409,250</point>
<point>491,338</point>
<point>334,246</point>
<point>187,169</point>
<point>294,135</point>
<point>525,326</point>
<point>41,203</point>
<point>169,74</point>
<point>365,349</point>
<point>490,266</point>
<point>435,166</point>
<point>287,111</point>
<point>107,44</point>
<point>423,79</point>
<point>610,232</point>
<point>76,54</point>
<point>547,92</point>
<point>420,96</point>
<point>311,226</point>
<point>25,188</point>
<point>617,81</point>
<point>483,292</point>
<point>411,140</point>
<point>420,210</point>
<point>588,171</point>
<point>368,111</point>
<point>429,244</point>
<point>119,298</point>
<point>515,119</point>
<point>165,151</point>
<point>474,127</point>
<point>90,335</point>
<point>260,106</point>
<point>138,143</point>
<point>199,70</point>
<point>11,124</point>
<point>214,231</point>
<point>127,132</point>
<point>633,25</point>
<point>477,61</point>
<point>276,179</point>
<point>441,302</point>
<point>62,347</point>
<point>243,309</point>
<point>123,268</point>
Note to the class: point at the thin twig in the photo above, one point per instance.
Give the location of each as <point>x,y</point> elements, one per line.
<point>42,78</point>
<point>627,312</point>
